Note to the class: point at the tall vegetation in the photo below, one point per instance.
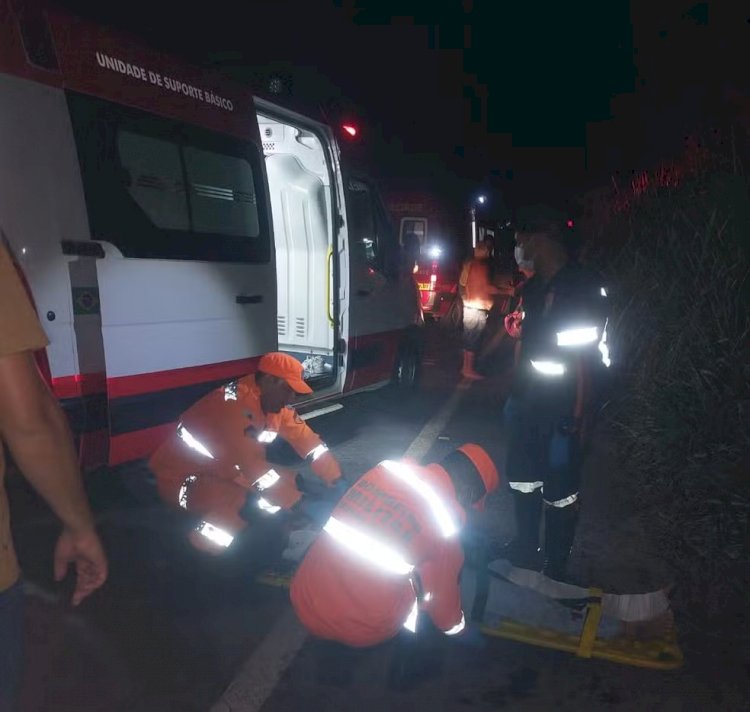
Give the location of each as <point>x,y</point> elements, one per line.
<point>675,245</point>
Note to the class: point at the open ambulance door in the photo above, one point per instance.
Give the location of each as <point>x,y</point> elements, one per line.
<point>304,187</point>
<point>384,300</point>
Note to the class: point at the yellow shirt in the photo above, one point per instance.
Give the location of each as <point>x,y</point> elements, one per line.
<point>20,330</point>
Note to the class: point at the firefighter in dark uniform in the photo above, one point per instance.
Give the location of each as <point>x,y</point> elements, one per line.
<point>563,349</point>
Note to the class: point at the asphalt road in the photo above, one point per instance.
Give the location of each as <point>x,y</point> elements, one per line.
<point>175,630</point>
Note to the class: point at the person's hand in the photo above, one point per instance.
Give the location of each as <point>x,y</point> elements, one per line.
<point>513,324</point>
<point>85,552</point>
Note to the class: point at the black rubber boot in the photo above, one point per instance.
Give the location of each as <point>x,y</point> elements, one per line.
<point>559,532</point>
<point>523,550</point>
<point>416,657</point>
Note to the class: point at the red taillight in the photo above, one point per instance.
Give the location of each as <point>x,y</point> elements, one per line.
<point>570,223</point>
<point>350,130</point>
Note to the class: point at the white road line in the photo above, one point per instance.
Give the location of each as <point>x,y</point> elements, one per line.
<point>258,677</point>
<point>435,425</point>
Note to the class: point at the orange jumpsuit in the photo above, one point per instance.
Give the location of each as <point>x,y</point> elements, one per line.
<point>217,454</point>
<point>390,548</point>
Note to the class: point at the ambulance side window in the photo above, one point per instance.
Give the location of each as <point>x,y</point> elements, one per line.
<point>154,178</point>
<point>413,226</point>
<point>222,193</point>
<point>362,226</point>
<point>159,189</point>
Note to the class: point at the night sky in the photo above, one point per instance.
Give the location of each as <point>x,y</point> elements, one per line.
<point>525,100</point>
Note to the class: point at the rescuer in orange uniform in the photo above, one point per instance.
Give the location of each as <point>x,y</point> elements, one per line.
<point>214,465</point>
<point>391,548</point>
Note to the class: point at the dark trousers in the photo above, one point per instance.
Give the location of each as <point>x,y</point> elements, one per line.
<point>11,645</point>
<point>540,452</point>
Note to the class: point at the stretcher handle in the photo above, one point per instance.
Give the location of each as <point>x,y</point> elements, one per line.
<point>591,623</point>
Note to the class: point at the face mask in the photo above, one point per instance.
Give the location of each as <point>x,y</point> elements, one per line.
<point>523,263</point>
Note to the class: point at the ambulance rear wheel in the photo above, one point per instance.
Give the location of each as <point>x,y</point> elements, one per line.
<point>407,367</point>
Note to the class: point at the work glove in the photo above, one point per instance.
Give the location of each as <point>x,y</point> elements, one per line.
<point>316,488</point>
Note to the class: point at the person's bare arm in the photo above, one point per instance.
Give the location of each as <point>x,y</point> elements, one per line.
<point>37,434</point>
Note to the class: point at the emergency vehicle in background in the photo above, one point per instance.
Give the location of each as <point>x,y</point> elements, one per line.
<point>172,230</point>
<point>421,217</point>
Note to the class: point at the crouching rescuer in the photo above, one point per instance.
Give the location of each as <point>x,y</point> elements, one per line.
<point>391,550</point>
<point>214,465</point>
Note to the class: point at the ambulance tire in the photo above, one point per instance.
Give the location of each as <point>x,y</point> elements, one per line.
<point>408,362</point>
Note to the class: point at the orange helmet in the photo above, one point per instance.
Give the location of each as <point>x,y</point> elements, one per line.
<point>482,464</point>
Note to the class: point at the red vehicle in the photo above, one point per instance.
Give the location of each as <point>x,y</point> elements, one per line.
<point>430,234</point>
<point>437,281</point>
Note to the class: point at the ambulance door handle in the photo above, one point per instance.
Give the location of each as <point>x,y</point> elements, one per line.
<point>249,299</point>
<point>82,248</point>
<point>364,292</point>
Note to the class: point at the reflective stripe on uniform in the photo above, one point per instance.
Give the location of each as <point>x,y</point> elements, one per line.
<point>564,502</point>
<point>269,479</point>
<point>184,487</point>
<point>214,534</point>
<point>604,347</point>
<point>406,474</point>
<point>525,487</point>
<point>317,452</point>
<point>411,620</point>
<point>458,627</point>
<point>577,337</point>
<point>549,368</point>
<point>187,437</point>
<point>267,436</point>
<point>367,547</point>
<point>266,506</point>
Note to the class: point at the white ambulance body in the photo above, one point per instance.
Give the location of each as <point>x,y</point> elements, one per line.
<point>172,230</point>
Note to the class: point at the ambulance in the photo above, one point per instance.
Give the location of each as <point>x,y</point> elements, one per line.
<point>172,228</point>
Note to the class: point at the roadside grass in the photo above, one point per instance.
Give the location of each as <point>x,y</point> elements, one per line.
<point>675,247</point>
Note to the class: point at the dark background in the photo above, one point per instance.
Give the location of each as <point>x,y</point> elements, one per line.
<point>526,101</point>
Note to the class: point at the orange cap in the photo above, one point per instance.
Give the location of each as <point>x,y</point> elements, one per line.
<point>485,467</point>
<point>286,367</point>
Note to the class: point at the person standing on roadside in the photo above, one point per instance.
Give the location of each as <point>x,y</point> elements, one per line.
<point>562,332</point>
<point>476,291</point>
<point>36,433</point>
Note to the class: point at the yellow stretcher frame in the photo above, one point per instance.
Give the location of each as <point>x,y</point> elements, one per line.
<point>658,654</point>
